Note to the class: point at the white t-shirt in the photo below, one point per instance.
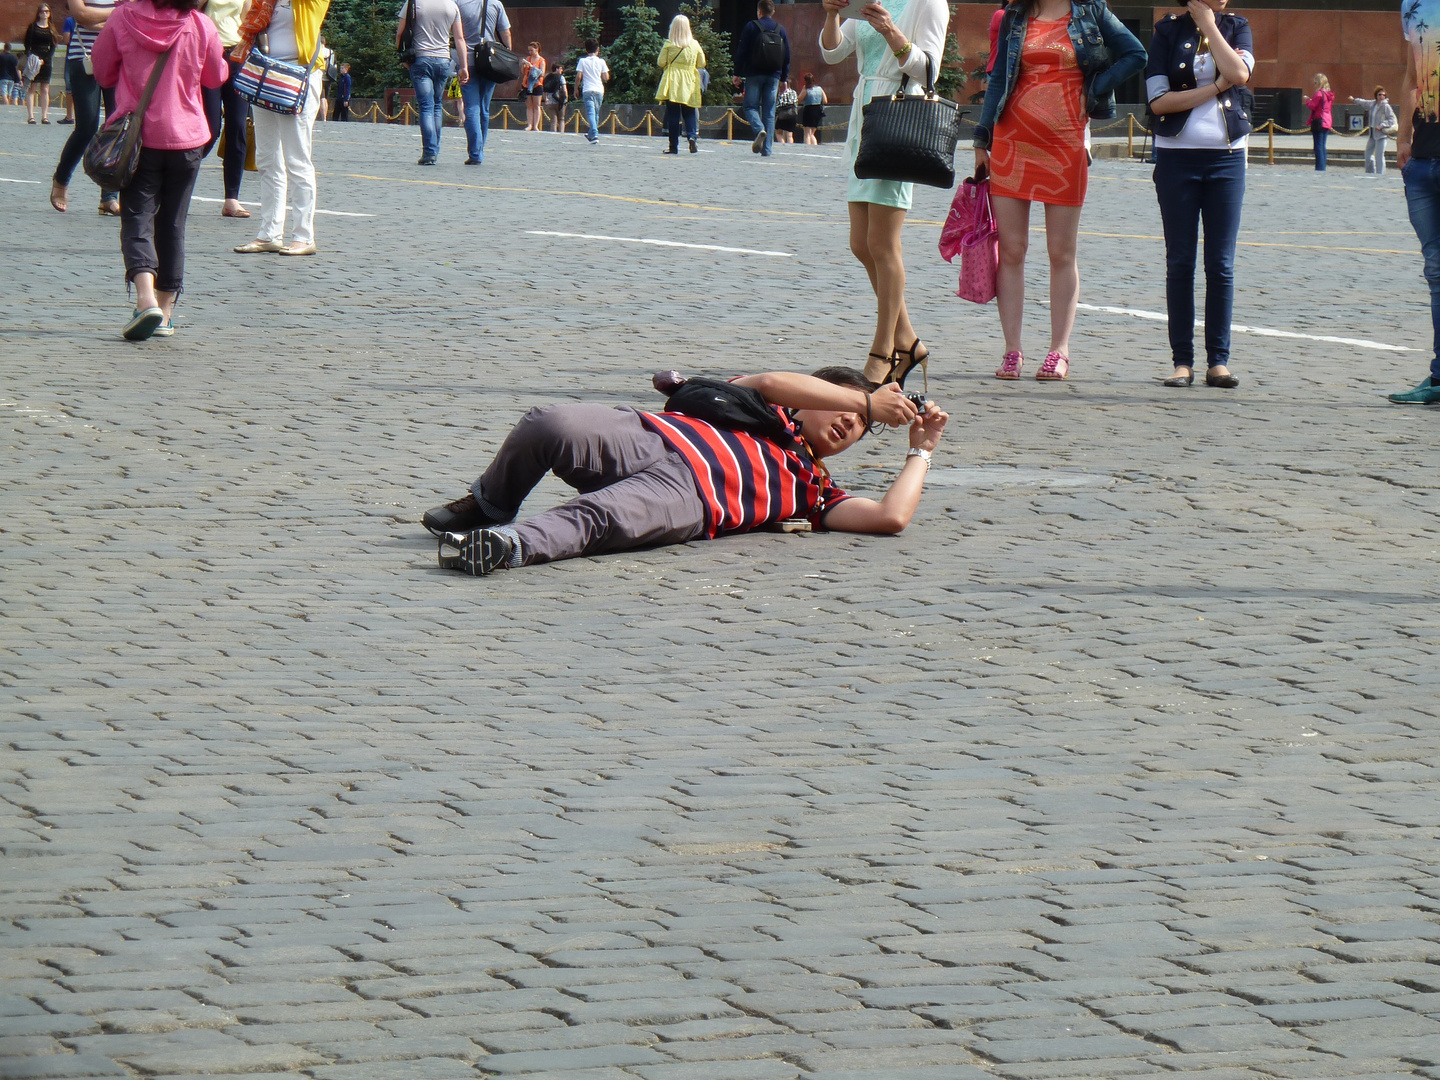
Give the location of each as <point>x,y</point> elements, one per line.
<point>1205,127</point>
<point>592,71</point>
<point>433,20</point>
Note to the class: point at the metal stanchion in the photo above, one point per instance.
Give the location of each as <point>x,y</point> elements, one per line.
<point>1271,126</point>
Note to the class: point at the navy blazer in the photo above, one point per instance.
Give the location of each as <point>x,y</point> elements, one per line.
<point>1172,54</point>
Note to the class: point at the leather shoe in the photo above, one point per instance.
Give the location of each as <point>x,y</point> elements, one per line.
<point>256,246</point>
<point>1225,382</point>
<point>1427,393</point>
<point>1180,380</point>
<point>297,249</point>
<point>461,516</point>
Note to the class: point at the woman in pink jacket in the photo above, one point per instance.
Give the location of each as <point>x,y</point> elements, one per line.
<point>1319,105</point>
<point>173,138</point>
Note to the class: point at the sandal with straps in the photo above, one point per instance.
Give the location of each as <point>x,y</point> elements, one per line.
<point>905,361</point>
<point>888,361</point>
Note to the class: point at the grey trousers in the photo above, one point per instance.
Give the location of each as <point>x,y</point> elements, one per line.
<point>1375,154</point>
<point>635,492</point>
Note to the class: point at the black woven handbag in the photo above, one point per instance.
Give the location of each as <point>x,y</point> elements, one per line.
<point>491,60</point>
<point>113,155</point>
<point>910,139</point>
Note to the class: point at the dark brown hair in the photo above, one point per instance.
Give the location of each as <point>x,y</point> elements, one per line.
<point>179,5</point>
<point>767,8</point>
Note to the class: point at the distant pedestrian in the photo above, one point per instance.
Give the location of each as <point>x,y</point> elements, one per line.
<point>681,61</point>
<point>90,17</point>
<point>67,31</point>
<point>812,109</point>
<point>343,87</point>
<point>435,23</point>
<point>174,135</point>
<point>484,20</point>
<point>592,73</point>
<point>1417,151</point>
<point>787,115</point>
<point>9,77</point>
<point>39,48</point>
<point>532,85</point>
<point>227,112</point>
<point>1059,65</point>
<point>762,60</point>
<point>284,144</point>
<point>885,47</point>
<point>557,94</point>
<point>1319,104</point>
<point>1202,132</point>
<point>1380,119</point>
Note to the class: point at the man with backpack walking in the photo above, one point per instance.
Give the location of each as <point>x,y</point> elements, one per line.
<point>763,60</point>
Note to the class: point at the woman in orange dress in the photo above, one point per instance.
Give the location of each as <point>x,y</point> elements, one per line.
<point>1059,64</point>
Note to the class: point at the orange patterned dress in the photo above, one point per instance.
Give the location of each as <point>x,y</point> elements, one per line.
<point>1037,151</point>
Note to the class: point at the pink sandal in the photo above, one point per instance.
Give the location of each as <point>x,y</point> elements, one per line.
<point>1054,368</point>
<point>1010,365</point>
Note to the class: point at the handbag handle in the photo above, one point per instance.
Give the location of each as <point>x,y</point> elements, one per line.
<point>133,135</point>
<point>929,80</point>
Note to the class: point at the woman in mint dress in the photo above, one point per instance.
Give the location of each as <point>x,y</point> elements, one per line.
<point>887,42</point>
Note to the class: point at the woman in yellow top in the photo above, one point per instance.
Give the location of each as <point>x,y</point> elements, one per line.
<point>681,60</point>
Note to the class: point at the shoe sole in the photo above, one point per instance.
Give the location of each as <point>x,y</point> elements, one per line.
<point>142,327</point>
<point>1007,378</point>
<point>477,553</point>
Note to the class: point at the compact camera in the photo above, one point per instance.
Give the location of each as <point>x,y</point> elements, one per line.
<point>919,401</point>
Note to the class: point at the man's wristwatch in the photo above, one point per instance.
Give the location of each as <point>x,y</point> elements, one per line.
<point>923,455</point>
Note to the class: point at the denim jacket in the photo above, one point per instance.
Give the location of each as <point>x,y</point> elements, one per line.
<point>1107,53</point>
<point>1172,67</point>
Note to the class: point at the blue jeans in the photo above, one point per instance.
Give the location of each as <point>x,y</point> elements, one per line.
<point>674,114</point>
<point>9,88</point>
<point>1318,134</point>
<point>429,74</point>
<point>759,108</point>
<point>591,100</point>
<point>1422,196</point>
<point>477,94</point>
<point>1194,186</point>
<point>87,94</point>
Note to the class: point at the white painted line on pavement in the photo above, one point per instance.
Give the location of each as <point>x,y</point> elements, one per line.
<point>1262,331</point>
<point>659,243</point>
<point>332,213</point>
<point>11,180</point>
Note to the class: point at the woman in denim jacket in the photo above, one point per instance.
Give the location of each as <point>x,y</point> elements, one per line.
<point>1195,82</point>
<point>1031,141</point>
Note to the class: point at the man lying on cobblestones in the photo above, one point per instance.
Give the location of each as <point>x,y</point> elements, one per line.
<point>665,478</point>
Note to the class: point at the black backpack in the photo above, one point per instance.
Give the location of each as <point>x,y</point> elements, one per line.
<point>767,51</point>
<point>735,408</point>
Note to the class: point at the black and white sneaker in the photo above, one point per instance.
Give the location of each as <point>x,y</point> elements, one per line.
<point>475,553</point>
<point>461,516</point>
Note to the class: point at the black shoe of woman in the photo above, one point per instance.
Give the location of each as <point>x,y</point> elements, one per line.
<point>1225,382</point>
<point>1188,379</point>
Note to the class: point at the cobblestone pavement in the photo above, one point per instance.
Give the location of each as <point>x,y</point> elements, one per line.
<point>1119,762</point>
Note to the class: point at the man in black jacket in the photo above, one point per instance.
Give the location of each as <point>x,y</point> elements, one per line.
<point>763,61</point>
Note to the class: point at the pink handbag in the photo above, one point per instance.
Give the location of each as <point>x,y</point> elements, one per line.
<point>971,232</point>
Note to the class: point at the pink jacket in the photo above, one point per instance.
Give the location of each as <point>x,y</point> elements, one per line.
<point>1319,106</point>
<point>133,38</point>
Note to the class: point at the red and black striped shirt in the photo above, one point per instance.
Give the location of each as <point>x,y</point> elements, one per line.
<point>745,481</point>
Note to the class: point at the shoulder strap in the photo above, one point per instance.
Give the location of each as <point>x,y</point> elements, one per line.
<point>156,70</point>
<point>485,18</point>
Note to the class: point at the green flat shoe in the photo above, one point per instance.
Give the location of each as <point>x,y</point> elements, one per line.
<point>1427,393</point>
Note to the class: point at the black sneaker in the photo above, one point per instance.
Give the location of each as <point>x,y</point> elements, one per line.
<point>758,146</point>
<point>475,553</point>
<point>461,516</point>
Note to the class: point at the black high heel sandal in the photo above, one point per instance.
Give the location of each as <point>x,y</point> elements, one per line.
<point>900,369</point>
<point>888,360</point>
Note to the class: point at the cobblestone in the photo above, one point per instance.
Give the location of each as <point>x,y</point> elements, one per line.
<point>1119,762</point>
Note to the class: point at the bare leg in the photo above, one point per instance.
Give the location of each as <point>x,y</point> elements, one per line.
<point>893,327</point>
<point>145,296</point>
<point>45,103</point>
<point>875,369</point>
<point>1013,218</point>
<point>1062,231</point>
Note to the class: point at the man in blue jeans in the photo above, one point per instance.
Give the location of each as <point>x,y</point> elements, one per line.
<point>591,75</point>
<point>762,59</point>
<point>484,20</point>
<point>435,22</point>
<point>1418,152</point>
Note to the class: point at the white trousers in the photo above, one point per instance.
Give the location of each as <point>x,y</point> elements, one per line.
<point>1375,154</point>
<point>283,155</point>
